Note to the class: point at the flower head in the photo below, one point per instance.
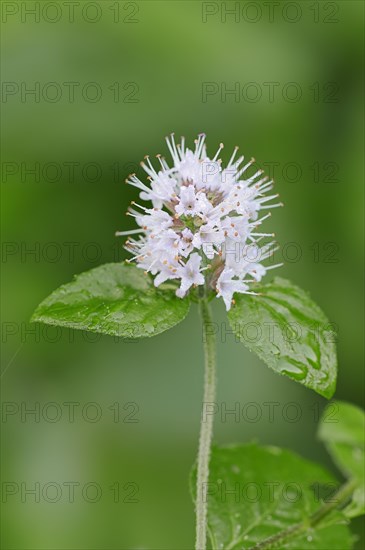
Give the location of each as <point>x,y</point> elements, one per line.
<point>202,228</point>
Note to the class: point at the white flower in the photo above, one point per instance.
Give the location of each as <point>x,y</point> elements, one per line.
<point>190,274</point>
<point>207,237</point>
<point>227,286</point>
<point>203,227</point>
<point>189,202</point>
<point>186,242</point>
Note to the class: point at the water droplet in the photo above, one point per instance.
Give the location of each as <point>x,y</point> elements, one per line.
<point>236,469</point>
<point>292,368</point>
<point>309,538</point>
<point>275,349</point>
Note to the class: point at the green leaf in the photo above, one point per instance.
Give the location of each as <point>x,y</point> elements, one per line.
<point>113,299</point>
<point>288,331</point>
<point>257,492</point>
<point>357,505</point>
<point>343,432</point>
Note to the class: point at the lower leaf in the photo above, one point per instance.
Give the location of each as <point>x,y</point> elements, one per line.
<point>256,493</point>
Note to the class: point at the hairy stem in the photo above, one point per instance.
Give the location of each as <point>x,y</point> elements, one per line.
<point>206,426</point>
<point>337,500</point>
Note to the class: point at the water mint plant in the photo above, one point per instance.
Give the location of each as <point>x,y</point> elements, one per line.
<point>199,236</point>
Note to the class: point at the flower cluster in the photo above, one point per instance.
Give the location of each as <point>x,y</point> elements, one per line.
<point>202,228</point>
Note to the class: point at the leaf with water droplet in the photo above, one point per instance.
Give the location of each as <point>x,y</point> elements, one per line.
<point>273,490</point>
<point>288,331</point>
<point>114,299</point>
<point>342,429</point>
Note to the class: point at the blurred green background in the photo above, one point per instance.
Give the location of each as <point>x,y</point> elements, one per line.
<point>149,62</point>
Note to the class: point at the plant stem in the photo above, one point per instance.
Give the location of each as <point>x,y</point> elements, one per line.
<point>206,425</point>
<point>337,500</point>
